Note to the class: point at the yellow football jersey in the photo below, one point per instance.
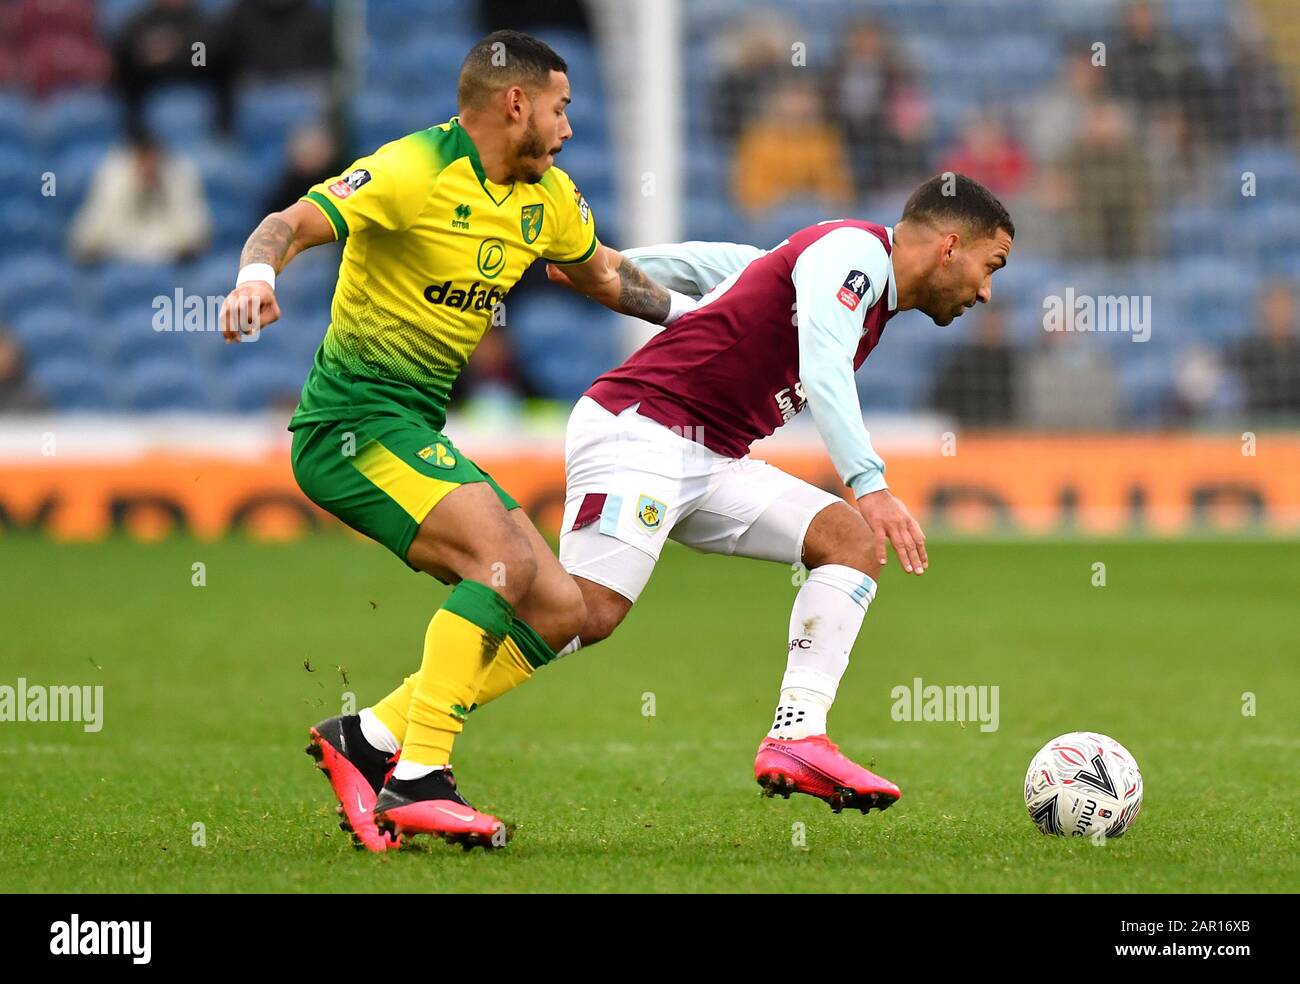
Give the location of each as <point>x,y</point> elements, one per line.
<point>431,247</point>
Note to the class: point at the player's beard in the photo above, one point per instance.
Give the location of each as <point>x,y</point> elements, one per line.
<point>530,149</point>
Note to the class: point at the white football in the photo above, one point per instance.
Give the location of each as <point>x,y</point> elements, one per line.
<point>1083,785</point>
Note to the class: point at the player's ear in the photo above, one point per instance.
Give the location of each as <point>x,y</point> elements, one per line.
<point>948,248</point>
<point>516,102</point>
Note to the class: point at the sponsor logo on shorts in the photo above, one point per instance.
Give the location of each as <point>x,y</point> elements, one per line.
<point>438,453</point>
<point>650,512</point>
<point>349,183</point>
<point>854,289</point>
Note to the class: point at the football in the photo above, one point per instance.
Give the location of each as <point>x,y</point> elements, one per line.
<point>1083,785</point>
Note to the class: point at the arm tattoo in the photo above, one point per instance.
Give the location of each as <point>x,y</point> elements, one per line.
<point>269,243</point>
<point>640,296</point>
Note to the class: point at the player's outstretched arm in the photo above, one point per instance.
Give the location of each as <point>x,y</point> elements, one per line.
<point>611,279</point>
<point>278,239</point>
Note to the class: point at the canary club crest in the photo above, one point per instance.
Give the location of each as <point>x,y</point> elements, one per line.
<point>530,221</point>
<point>441,457</point>
<point>650,512</point>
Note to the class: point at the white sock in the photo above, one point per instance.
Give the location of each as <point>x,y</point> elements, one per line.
<point>411,770</point>
<point>824,623</point>
<point>573,646</point>
<point>377,733</point>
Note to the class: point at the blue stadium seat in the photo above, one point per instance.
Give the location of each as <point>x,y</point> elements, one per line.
<point>164,383</point>
<point>1147,385</point>
<point>16,123</point>
<point>120,287</point>
<point>397,20</point>
<point>80,118</point>
<point>31,223</point>
<point>181,115</point>
<point>259,382</point>
<point>1195,229</point>
<point>1276,169</point>
<point>74,173</point>
<point>71,383</point>
<point>52,331</point>
<point>562,342</point>
<point>1267,232</point>
<point>712,219</point>
<point>33,281</point>
<point>708,172</point>
<point>590,167</point>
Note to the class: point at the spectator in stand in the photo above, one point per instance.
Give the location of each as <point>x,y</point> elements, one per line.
<point>873,97</point>
<point>1203,390</point>
<point>1269,363</point>
<point>273,38</point>
<point>791,153</point>
<point>156,48</point>
<point>1053,119</point>
<point>1067,384</point>
<point>1153,68</point>
<point>17,394</point>
<point>1105,188</point>
<point>756,58</point>
<point>1251,102</point>
<point>976,383</point>
<point>986,152</point>
<point>313,156</point>
<point>48,45</point>
<point>145,205</point>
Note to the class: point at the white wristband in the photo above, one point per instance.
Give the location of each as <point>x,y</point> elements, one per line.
<point>679,304</point>
<point>256,271</point>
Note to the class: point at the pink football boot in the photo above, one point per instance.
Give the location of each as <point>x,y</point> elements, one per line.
<point>432,805</point>
<point>815,766</point>
<point>356,772</point>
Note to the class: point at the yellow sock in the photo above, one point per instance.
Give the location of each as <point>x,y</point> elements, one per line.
<point>521,652</point>
<point>391,710</point>
<point>508,671</point>
<point>459,649</point>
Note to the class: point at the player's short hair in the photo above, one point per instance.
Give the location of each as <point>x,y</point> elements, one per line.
<point>502,59</point>
<point>954,198</point>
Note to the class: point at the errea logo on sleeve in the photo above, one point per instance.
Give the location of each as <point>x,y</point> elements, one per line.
<point>854,289</point>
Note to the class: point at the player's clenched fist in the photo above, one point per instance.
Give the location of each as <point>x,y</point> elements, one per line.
<point>248,308</point>
<point>890,520</point>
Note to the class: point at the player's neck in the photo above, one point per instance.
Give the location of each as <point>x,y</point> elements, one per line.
<point>492,146</point>
<point>904,260</point>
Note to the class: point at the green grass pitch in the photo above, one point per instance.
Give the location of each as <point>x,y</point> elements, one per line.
<point>207,704</point>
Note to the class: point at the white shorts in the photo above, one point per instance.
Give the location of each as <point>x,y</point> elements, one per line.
<point>632,483</point>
